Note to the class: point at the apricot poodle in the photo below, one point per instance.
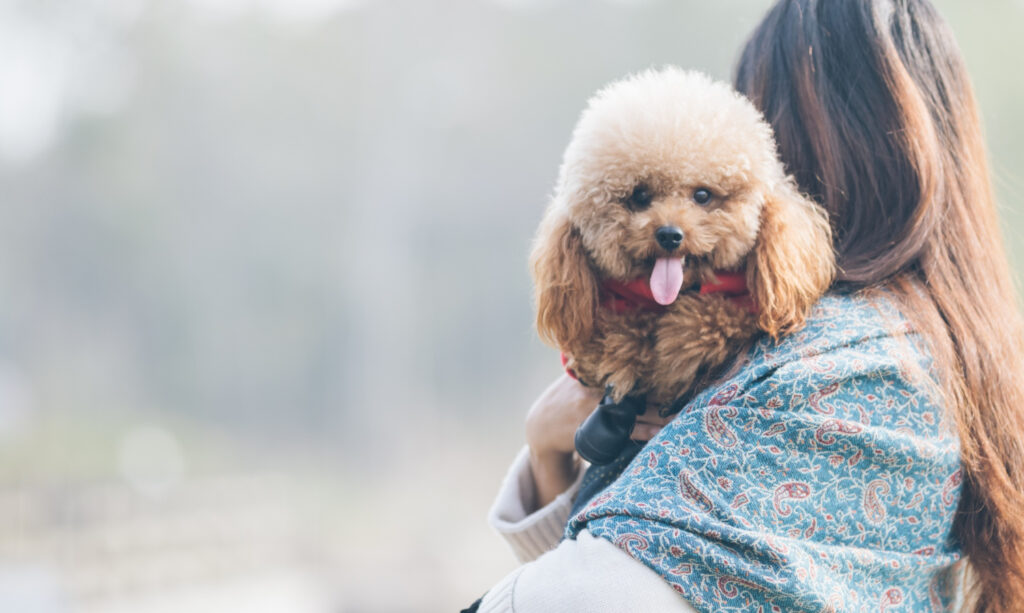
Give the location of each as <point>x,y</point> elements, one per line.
<point>673,238</point>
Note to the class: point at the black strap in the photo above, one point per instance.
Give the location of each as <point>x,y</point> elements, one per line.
<point>473,607</point>
<point>599,477</point>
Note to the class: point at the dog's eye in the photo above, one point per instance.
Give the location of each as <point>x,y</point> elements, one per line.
<point>641,198</point>
<point>702,196</point>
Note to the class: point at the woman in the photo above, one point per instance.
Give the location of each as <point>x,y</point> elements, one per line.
<point>911,369</point>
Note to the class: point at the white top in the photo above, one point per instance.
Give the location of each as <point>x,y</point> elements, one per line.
<point>586,575</point>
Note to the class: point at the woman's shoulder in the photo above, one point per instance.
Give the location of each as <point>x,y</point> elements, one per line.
<point>841,321</point>
<point>856,345</point>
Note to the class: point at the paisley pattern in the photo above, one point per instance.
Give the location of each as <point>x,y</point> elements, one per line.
<point>874,510</point>
<point>692,494</point>
<point>795,491</point>
<point>825,434</point>
<point>821,476</point>
<point>716,425</point>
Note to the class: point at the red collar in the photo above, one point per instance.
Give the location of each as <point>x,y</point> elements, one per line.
<point>620,297</point>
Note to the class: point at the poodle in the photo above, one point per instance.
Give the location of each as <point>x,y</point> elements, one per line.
<point>673,238</point>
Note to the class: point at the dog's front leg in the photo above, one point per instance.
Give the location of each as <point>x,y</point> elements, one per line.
<point>628,347</point>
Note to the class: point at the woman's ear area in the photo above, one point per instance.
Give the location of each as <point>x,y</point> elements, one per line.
<point>566,290</point>
<point>793,262</point>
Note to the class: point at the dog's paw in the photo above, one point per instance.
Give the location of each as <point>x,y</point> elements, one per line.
<point>620,384</point>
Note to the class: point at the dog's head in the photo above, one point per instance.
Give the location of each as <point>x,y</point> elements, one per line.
<point>668,174</point>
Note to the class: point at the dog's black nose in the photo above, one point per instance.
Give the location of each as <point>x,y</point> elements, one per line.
<point>669,237</point>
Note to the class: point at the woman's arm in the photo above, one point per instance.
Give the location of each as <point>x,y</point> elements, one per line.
<point>550,432</point>
<point>535,499</point>
<point>587,574</point>
<point>529,529</point>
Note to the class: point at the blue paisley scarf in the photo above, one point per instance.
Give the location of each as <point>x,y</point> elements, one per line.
<point>822,476</point>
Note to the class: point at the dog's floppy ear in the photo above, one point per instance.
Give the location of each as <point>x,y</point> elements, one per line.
<point>566,290</point>
<point>793,262</point>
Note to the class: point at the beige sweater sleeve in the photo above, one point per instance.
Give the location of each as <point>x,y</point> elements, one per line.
<point>586,575</point>
<point>529,531</point>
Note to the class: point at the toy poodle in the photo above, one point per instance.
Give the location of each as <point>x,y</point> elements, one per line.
<point>673,238</point>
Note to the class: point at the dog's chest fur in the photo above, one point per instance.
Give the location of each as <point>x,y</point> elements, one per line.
<point>664,355</point>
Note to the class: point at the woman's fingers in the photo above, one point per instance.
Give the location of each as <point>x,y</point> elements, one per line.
<point>644,432</point>
<point>648,424</point>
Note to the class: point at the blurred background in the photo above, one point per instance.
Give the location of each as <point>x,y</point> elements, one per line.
<point>266,339</point>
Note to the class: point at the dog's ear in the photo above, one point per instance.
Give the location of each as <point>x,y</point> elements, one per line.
<point>566,290</point>
<point>793,262</point>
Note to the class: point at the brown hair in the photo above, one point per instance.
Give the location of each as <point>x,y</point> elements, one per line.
<point>875,117</point>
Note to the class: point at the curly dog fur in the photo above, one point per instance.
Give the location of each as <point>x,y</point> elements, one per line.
<point>640,152</point>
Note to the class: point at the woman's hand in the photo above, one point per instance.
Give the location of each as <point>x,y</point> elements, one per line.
<point>551,430</point>
<point>552,421</point>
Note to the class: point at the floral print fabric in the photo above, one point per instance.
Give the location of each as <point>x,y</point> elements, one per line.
<point>821,476</point>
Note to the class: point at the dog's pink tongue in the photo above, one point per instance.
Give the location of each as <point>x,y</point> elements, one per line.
<point>666,279</point>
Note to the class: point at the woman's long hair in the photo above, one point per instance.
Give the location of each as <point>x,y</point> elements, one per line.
<point>875,116</point>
